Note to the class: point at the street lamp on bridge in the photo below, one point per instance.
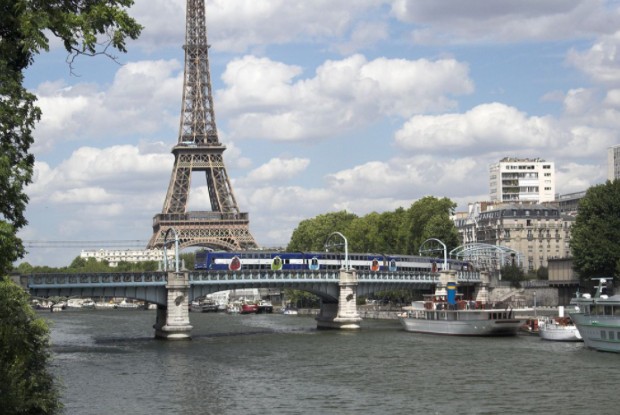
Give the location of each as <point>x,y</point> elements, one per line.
<point>445,251</point>
<point>328,245</point>
<point>176,249</point>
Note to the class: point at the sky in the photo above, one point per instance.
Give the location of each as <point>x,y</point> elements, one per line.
<point>324,105</point>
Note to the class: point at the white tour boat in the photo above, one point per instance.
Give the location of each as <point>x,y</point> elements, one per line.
<point>598,319</point>
<point>435,315</point>
<point>559,328</point>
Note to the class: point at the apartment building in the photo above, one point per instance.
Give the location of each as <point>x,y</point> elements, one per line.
<point>522,180</point>
<point>538,232</point>
<point>613,162</point>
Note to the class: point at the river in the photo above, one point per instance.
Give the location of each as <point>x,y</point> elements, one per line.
<point>109,363</point>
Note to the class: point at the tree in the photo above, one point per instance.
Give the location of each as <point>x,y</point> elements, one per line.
<point>595,235</point>
<point>310,234</point>
<point>512,273</point>
<point>427,218</point>
<point>542,273</point>
<point>26,386</point>
<point>85,27</point>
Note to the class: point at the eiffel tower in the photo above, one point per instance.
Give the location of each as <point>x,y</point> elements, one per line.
<point>199,149</point>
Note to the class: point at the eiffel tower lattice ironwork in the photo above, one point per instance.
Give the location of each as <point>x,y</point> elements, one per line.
<point>199,149</point>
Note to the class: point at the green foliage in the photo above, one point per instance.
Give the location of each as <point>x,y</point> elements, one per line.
<point>595,235</point>
<point>396,297</point>
<point>542,273</point>
<point>11,248</point>
<point>429,217</point>
<point>512,273</point>
<point>26,386</point>
<point>188,259</point>
<point>90,265</point>
<point>24,26</point>
<point>398,232</point>
<point>301,299</point>
<point>310,234</point>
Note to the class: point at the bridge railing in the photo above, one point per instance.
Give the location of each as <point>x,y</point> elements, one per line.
<point>206,277</point>
<point>85,280</point>
<point>468,276</point>
<point>422,277</point>
<point>212,277</point>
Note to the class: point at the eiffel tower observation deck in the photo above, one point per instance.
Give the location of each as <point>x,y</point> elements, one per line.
<point>199,150</point>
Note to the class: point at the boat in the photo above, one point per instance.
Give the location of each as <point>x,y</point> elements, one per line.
<point>436,315</point>
<point>598,318</point>
<point>265,306</point>
<point>288,311</point>
<point>74,303</point>
<point>102,305</point>
<point>127,305</point>
<point>233,308</point>
<point>58,307</point>
<point>530,326</point>
<point>88,303</point>
<point>559,329</point>
<point>249,308</point>
<point>204,306</point>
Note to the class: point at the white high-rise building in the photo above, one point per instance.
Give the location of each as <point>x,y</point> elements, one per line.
<point>613,162</point>
<point>522,180</point>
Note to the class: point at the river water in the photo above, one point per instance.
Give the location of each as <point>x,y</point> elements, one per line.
<point>109,363</point>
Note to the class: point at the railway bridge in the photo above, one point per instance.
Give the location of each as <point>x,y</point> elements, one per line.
<point>173,291</point>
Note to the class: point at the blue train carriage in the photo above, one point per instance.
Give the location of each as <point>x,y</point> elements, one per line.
<point>232,261</point>
<point>297,261</point>
<point>256,260</point>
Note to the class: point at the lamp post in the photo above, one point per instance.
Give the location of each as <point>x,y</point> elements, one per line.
<point>176,249</point>
<point>445,251</point>
<point>346,247</point>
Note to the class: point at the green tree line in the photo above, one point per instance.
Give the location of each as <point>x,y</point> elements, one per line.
<point>91,265</point>
<point>402,231</point>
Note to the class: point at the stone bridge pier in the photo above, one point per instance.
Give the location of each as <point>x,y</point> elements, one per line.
<point>172,321</point>
<point>342,315</point>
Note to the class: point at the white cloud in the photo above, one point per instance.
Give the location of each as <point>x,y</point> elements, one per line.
<point>344,95</point>
<point>99,175</point>
<point>278,169</point>
<point>506,21</point>
<point>602,61</point>
<point>239,25</point>
<point>406,178</point>
<point>574,177</point>
<point>485,128</point>
<point>86,195</point>
<point>144,98</point>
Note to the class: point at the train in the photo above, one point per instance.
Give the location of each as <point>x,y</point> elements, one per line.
<point>276,261</point>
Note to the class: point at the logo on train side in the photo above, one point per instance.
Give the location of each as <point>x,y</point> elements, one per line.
<point>276,264</point>
<point>235,264</point>
<point>314,264</point>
